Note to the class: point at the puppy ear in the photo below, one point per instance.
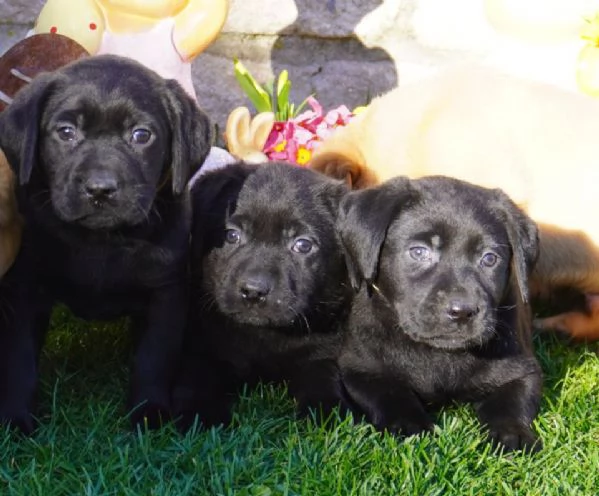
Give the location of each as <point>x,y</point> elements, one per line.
<point>364,217</point>
<point>523,236</point>
<point>192,135</point>
<point>20,125</point>
<point>214,198</point>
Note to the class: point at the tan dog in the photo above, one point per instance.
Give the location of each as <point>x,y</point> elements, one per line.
<point>536,142</point>
<point>10,221</point>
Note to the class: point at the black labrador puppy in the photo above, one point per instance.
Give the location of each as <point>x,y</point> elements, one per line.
<point>442,313</point>
<point>103,149</point>
<point>269,289</point>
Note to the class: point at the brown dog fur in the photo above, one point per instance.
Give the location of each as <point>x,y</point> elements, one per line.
<point>10,221</point>
<point>536,142</point>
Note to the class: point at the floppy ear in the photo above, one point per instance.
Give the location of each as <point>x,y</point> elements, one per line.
<point>364,217</point>
<point>20,125</point>
<point>523,236</point>
<point>191,135</point>
<point>213,198</point>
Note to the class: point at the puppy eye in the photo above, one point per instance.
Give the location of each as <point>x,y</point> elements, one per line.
<point>302,245</point>
<point>420,253</point>
<point>489,259</point>
<point>140,136</point>
<point>67,133</point>
<point>232,236</point>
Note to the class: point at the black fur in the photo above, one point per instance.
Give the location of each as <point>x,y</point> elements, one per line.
<point>442,313</point>
<point>103,149</point>
<point>270,289</point>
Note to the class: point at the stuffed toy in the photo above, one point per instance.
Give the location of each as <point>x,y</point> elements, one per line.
<point>246,136</point>
<point>164,35</point>
<point>35,54</point>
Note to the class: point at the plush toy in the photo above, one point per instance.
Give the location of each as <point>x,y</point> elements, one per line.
<point>246,137</point>
<point>35,54</point>
<point>164,35</point>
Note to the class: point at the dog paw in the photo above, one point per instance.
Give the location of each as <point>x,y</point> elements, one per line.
<point>515,438</point>
<point>406,427</point>
<point>22,421</point>
<point>149,416</point>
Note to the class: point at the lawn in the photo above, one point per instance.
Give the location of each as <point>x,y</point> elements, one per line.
<point>84,445</point>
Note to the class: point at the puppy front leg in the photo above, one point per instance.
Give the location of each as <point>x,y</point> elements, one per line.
<point>387,402</point>
<point>313,375</point>
<point>204,389</point>
<point>18,377</point>
<point>508,412</point>
<point>22,330</point>
<point>316,385</point>
<point>158,334</point>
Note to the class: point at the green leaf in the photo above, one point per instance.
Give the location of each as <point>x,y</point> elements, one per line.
<point>269,86</point>
<point>257,95</point>
<point>283,89</point>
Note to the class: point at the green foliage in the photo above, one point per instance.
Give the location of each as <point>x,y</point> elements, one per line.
<point>271,98</point>
<point>84,445</point>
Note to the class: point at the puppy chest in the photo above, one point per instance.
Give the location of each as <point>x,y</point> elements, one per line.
<point>433,374</point>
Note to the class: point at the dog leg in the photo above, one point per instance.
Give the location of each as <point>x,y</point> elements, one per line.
<point>158,336</point>
<point>22,330</point>
<point>387,403</point>
<point>18,379</point>
<point>508,412</point>
<point>205,389</point>
<point>580,326</point>
<point>316,385</point>
<point>312,374</point>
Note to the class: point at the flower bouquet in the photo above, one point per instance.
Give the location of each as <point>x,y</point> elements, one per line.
<point>294,131</point>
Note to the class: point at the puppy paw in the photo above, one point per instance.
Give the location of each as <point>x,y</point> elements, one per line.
<point>514,437</point>
<point>322,410</point>
<point>406,427</point>
<point>149,416</point>
<point>22,421</point>
<point>191,408</point>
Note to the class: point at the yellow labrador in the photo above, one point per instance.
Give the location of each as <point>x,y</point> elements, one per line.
<point>538,143</point>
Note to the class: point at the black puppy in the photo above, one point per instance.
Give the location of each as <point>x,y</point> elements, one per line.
<point>270,287</point>
<point>443,312</point>
<point>103,150</point>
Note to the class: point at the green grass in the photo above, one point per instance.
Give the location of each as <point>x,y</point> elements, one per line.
<point>84,445</point>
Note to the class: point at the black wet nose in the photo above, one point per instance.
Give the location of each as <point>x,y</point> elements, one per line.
<point>461,311</point>
<point>100,187</point>
<point>255,289</point>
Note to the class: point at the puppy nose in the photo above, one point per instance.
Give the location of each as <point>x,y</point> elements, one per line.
<point>255,289</point>
<point>461,311</point>
<point>100,187</point>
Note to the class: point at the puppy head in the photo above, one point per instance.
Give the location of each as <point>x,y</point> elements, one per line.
<point>448,257</point>
<point>265,239</point>
<point>103,135</point>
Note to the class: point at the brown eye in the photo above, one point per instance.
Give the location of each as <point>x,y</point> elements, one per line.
<point>232,236</point>
<point>489,259</point>
<point>140,136</point>
<point>302,245</point>
<point>67,133</point>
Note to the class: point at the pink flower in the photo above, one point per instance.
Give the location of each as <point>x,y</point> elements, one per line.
<point>295,140</point>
